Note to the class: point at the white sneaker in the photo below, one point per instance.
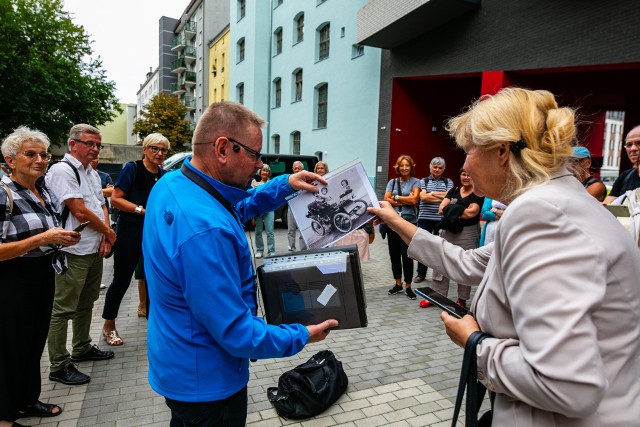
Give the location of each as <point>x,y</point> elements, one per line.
<point>259,255</point>
<point>103,286</point>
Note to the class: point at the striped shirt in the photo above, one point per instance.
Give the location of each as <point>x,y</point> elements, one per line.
<point>428,210</point>
<point>28,217</point>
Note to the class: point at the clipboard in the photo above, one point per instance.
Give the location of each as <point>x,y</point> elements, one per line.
<point>312,286</point>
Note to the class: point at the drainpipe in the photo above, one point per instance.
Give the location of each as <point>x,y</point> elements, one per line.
<point>269,76</point>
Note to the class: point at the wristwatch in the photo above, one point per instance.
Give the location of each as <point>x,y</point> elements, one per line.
<point>395,198</point>
<point>138,210</point>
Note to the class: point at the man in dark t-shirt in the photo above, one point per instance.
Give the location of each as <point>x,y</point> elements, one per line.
<point>630,178</point>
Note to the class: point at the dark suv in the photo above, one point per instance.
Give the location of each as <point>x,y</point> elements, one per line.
<point>279,164</point>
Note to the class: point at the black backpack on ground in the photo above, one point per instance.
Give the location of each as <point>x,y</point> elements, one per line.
<point>309,389</point>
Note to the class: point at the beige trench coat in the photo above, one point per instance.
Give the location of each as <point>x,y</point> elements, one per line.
<point>559,289</point>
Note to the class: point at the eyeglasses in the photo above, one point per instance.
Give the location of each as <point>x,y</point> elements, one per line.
<point>631,144</point>
<point>257,154</point>
<point>90,144</point>
<point>31,155</point>
<point>156,149</point>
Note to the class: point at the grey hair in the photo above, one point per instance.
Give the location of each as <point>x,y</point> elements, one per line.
<point>156,138</point>
<point>19,136</point>
<point>266,167</point>
<point>298,161</point>
<point>78,130</point>
<point>438,161</point>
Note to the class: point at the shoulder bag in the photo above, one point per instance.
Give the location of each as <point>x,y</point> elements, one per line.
<point>475,390</point>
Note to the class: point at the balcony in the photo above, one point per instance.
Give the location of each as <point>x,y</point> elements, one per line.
<point>188,79</point>
<point>178,88</point>
<point>178,65</point>
<point>190,102</point>
<point>189,30</point>
<point>189,54</point>
<point>178,43</point>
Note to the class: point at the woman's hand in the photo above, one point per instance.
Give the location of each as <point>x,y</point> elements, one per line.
<point>385,213</point>
<point>60,236</point>
<point>459,330</point>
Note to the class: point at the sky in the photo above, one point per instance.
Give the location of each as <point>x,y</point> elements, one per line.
<point>124,33</point>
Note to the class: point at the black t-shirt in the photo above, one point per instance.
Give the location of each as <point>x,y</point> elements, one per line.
<point>628,180</point>
<point>456,198</point>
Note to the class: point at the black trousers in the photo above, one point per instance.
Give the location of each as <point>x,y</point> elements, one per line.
<point>126,254</point>
<point>229,412</point>
<point>400,262</point>
<point>26,300</point>
<point>429,225</point>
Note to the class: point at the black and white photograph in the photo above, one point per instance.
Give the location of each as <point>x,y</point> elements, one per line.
<point>337,209</point>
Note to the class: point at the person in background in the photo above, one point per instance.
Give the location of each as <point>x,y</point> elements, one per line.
<point>630,178</point>
<point>558,290</point>
<point>264,221</point>
<point>468,213</point>
<point>403,194</point>
<point>203,323</point>
<point>291,221</point>
<point>130,195</point>
<point>30,237</point>
<point>105,181</point>
<point>138,275</point>
<point>491,212</point>
<point>579,165</point>
<point>321,168</point>
<point>433,190</point>
<point>362,237</point>
<point>76,192</point>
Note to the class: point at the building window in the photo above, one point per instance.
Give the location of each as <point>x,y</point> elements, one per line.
<point>295,142</point>
<point>357,50</point>
<point>277,40</point>
<point>320,2</point>
<point>276,144</point>
<point>242,5</point>
<point>240,93</point>
<point>277,92</point>
<point>323,41</point>
<point>215,95</point>
<point>222,63</point>
<point>318,155</point>
<point>299,28</point>
<point>297,85</point>
<point>221,92</point>
<point>241,50</point>
<point>322,105</point>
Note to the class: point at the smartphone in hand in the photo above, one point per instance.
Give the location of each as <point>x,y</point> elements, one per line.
<point>82,226</point>
<point>443,302</point>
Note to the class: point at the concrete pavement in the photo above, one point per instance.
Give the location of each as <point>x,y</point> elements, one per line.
<point>403,370</point>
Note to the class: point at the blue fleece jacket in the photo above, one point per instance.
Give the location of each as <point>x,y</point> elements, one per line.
<point>202,322</point>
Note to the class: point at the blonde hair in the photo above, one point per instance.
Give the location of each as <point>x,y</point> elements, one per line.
<point>321,163</point>
<point>408,159</point>
<point>538,132</point>
<point>156,138</point>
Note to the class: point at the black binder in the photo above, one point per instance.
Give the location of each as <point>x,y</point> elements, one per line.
<point>312,286</point>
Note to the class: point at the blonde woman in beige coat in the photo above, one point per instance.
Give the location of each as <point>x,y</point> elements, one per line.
<point>558,290</point>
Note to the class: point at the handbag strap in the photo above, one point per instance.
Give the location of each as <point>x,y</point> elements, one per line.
<point>469,380</point>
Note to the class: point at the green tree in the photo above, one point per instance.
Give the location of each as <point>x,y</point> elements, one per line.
<point>48,79</point>
<point>165,114</point>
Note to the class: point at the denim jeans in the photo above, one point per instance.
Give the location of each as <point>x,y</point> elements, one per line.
<point>229,412</point>
<point>265,222</point>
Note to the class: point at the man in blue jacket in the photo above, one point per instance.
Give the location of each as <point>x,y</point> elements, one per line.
<point>203,327</point>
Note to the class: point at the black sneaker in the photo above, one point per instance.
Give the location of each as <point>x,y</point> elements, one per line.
<point>69,375</point>
<point>93,354</point>
<point>410,293</point>
<point>419,279</point>
<point>395,290</point>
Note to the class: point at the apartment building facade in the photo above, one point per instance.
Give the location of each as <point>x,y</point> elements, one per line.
<point>296,64</point>
<point>219,72</point>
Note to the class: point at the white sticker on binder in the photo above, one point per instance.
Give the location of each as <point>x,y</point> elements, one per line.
<point>326,294</point>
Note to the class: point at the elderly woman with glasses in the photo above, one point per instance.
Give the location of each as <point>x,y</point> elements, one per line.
<point>30,236</point>
<point>130,196</point>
